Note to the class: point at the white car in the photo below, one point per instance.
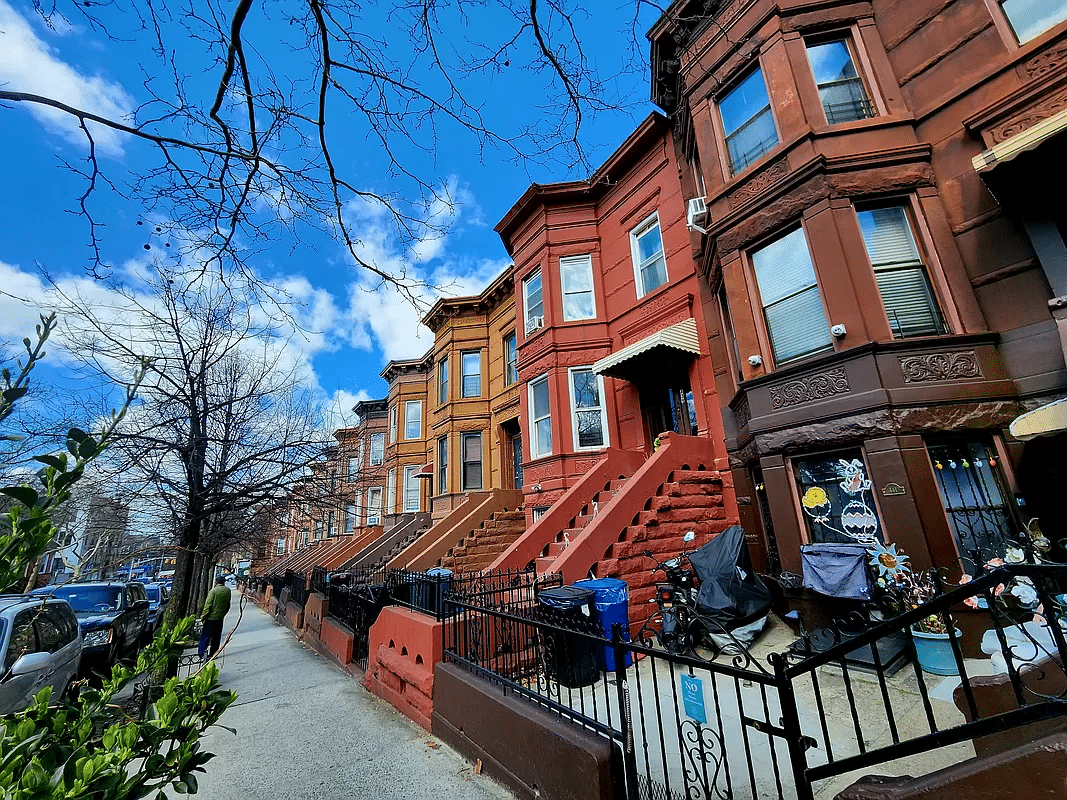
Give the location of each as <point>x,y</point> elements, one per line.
<point>41,646</point>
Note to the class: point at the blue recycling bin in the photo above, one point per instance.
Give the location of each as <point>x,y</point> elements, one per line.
<point>613,606</point>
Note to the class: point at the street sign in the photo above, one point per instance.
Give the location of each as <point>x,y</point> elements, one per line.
<point>693,699</point>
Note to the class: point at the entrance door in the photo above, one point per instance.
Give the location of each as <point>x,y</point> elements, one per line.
<point>516,459</point>
<point>668,408</point>
<point>512,450</point>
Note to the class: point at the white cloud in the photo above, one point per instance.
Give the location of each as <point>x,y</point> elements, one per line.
<point>30,64</point>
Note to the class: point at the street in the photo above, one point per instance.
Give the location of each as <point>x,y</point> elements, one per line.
<point>305,729</point>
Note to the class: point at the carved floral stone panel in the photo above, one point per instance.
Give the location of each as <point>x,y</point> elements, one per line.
<point>1049,106</point>
<point>940,366</point>
<point>810,387</point>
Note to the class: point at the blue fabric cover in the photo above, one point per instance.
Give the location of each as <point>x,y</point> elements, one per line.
<point>836,569</point>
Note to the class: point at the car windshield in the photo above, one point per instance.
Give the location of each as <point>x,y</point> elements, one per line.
<point>85,599</point>
<point>153,593</point>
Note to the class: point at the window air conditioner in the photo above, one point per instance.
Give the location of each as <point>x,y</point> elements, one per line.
<point>534,323</point>
<point>696,214</point>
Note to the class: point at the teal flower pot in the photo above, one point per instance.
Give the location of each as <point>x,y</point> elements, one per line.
<point>933,651</point>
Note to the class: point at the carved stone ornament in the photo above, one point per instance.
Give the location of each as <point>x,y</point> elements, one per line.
<point>1048,61</point>
<point>761,182</point>
<point>743,413</point>
<point>811,387</point>
<point>940,367</point>
<point>1048,107</point>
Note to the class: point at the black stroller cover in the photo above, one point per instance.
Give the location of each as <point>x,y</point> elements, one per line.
<point>730,593</point>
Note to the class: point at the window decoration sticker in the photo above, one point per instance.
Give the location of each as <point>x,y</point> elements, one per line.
<point>839,504</point>
<point>859,521</point>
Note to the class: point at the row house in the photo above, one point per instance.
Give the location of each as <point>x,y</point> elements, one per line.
<point>878,317</point>
<point>406,492</point>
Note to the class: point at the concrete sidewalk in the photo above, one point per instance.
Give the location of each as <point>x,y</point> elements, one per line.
<point>305,729</point>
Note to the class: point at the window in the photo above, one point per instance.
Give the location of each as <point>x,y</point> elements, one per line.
<point>353,468</point>
<point>472,460</point>
<point>350,518</point>
<point>728,325</point>
<point>374,505</point>
<point>318,529</point>
<point>392,424</point>
<point>411,488</point>
<point>902,279</point>
<point>377,449</point>
<point>442,465</point>
<point>588,415</point>
<point>576,280</point>
<point>305,535</point>
<point>540,419</point>
<point>511,360</point>
<point>646,243</point>
<point>442,380</point>
<point>747,122</point>
<point>533,303</point>
<point>471,365</point>
<point>413,419</point>
<point>840,88</point>
<point>792,305</point>
<point>390,486</point>
<point>538,511</point>
<point>1030,18</point>
<point>279,546</point>
<point>23,640</point>
<point>331,529</point>
<point>836,498</point>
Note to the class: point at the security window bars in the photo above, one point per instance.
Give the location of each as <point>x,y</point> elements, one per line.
<point>413,419</point>
<point>472,461</point>
<point>511,360</point>
<point>442,381</point>
<point>576,280</point>
<point>650,268</point>
<point>471,364</point>
<point>902,278</point>
<point>442,465</point>
<point>377,449</point>
<point>588,415</point>
<point>411,488</point>
<point>792,305</point>
<point>533,302</point>
<point>1030,18</point>
<point>374,505</point>
<point>540,419</point>
<point>747,121</point>
<point>841,89</point>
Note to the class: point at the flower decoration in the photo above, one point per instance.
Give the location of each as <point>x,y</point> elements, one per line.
<point>903,589</point>
<point>887,560</point>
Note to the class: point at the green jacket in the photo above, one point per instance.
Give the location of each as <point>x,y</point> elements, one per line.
<point>217,603</point>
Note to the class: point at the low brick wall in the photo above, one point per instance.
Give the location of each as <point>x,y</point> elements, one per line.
<point>294,616</point>
<point>315,611</point>
<point>337,639</point>
<point>404,645</point>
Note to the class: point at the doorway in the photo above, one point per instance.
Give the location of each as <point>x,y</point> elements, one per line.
<point>667,408</point>
<point>513,450</point>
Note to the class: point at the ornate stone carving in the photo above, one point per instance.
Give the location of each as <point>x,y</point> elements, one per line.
<point>811,387</point>
<point>940,366</point>
<point>1049,106</point>
<point>761,182</point>
<point>743,413</point>
<point>1046,62</point>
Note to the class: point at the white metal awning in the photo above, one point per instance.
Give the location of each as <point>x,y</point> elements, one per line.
<point>1044,421</point>
<point>1021,142</point>
<point>681,336</point>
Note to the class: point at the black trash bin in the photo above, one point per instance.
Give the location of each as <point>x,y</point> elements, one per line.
<point>570,658</point>
<point>435,590</point>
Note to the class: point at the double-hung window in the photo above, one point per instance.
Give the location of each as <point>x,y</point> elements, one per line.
<point>540,418</point>
<point>747,121</point>
<point>841,89</point>
<point>390,491</point>
<point>533,304</point>
<point>442,381</point>
<point>331,528</point>
<point>350,518</point>
<point>411,488</point>
<point>377,449</point>
<point>1030,18</point>
<point>588,416</point>
<point>576,280</point>
<point>413,419</point>
<point>646,244</point>
<point>392,424</point>
<point>318,529</point>
<point>353,469</point>
<point>789,292</point>
<point>374,505</point>
<point>442,464</point>
<point>511,360</point>
<point>471,364</point>
<point>902,278</point>
<point>472,460</point>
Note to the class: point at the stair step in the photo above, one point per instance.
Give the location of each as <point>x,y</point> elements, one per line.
<point>544,564</point>
<point>555,549</point>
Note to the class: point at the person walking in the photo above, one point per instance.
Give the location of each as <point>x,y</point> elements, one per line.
<point>215,607</point>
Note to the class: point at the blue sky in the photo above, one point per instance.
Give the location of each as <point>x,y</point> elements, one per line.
<point>349,329</point>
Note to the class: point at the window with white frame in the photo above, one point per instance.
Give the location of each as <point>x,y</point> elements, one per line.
<point>511,360</point>
<point>841,90</point>
<point>792,305</point>
<point>390,493</point>
<point>904,283</point>
<point>331,529</point>
<point>747,121</point>
<point>411,488</point>
<point>646,245</point>
<point>279,546</point>
<point>471,366</point>
<point>471,444</point>
<point>350,518</point>
<point>1031,18</point>
<point>374,505</point>
<point>533,304</point>
<point>353,468</point>
<point>392,423</point>
<point>540,418</point>
<point>442,464</point>
<point>305,536</point>
<point>576,281</point>
<point>589,419</point>
<point>413,419</point>
<point>377,449</point>
<point>442,381</point>
<point>318,529</point>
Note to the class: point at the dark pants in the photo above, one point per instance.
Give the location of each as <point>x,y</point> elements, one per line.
<point>210,637</point>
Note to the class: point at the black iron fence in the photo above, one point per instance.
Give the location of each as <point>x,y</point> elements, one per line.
<point>298,589</point>
<point>320,579</point>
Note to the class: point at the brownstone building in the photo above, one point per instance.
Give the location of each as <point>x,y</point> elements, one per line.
<point>880,317</point>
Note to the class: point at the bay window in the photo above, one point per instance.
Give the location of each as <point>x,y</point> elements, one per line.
<point>540,419</point>
<point>841,89</point>
<point>747,121</point>
<point>413,420</point>
<point>576,281</point>
<point>471,444</point>
<point>588,414</point>
<point>533,303</point>
<point>646,244</point>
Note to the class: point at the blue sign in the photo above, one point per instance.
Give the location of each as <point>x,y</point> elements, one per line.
<point>693,699</point>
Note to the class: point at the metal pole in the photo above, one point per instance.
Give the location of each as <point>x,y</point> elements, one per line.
<point>629,757</point>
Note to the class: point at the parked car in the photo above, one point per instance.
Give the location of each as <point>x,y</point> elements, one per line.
<point>158,597</point>
<point>40,646</point>
<point>112,615</point>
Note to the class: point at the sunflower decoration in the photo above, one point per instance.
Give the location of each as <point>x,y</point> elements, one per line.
<point>888,560</point>
<point>816,504</point>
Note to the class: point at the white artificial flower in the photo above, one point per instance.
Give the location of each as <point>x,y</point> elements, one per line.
<point>1014,555</point>
<point>1026,594</point>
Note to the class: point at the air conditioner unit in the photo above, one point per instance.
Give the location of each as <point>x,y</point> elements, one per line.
<point>534,324</point>
<point>696,214</point>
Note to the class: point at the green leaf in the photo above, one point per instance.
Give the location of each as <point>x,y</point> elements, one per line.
<point>59,462</point>
<point>190,781</point>
<point>22,494</point>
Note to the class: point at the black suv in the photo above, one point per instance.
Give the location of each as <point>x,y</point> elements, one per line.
<point>113,617</point>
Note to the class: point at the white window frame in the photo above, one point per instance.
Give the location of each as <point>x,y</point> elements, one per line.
<point>353,469</point>
<point>737,168</point>
<point>528,312</point>
<point>463,437</point>
<point>318,529</point>
<point>408,421</point>
<point>374,509</point>
<point>463,374</point>
<point>511,367</point>
<point>331,526</point>
<point>569,315</point>
<point>574,410</point>
<point>442,464</point>
<point>411,489</point>
<point>442,381</point>
<point>390,484</point>
<point>377,453</point>
<point>350,518</point>
<point>392,421</point>
<point>532,387</point>
<point>646,225</point>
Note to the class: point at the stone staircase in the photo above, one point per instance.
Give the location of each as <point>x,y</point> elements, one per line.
<point>554,549</point>
<point>479,548</point>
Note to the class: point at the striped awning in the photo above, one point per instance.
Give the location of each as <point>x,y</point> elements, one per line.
<point>680,337</point>
<point>1044,421</point>
<point>1021,142</point>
